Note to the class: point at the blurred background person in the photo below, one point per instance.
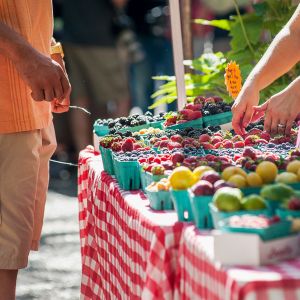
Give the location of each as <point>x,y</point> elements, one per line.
<point>152,28</point>
<point>90,31</point>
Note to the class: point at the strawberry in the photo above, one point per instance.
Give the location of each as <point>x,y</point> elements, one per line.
<point>250,140</point>
<point>218,145</point>
<point>254,131</point>
<point>237,138</point>
<point>216,139</point>
<point>196,115</point>
<point>154,140</point>
<point>236,157</point>
<point>250,165</point>
<point>181,121</point>
<point>218,134</point>
<point>171,121</point>
<point>210,157</point>
<point>207,146</point>
<point>116,147</point>
<point>176,138</point>
<point>167,165</point>
<point>261,141</point>
<point>249,152</point>
<point>173,145</point>
<point>197,107</point>
<point>265,135</point>
<point>199,100</point>
<point>164,144</point>
<point>177,157</point>
<point>204,138</point>
<point>189,106</point>
<point>137,146</point>
<point>157,160</point>
<point>185,114</point>
<point>158,170</point>
<point>157,144</point>
<point>210,100</point>
<point>127,146</point>
<point>228,144</point>
<point>142,160</point>
<point>217,99</point>
<point>239,144</point>
<point>164,138</point>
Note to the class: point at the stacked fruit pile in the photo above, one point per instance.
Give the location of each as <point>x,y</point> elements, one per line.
<point>205,163</point>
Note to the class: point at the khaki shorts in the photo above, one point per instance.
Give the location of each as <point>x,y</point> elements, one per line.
<point>24,176</point>
<point>97,74</point>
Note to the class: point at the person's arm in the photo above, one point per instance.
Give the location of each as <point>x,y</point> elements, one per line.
<point>44,76</point>
<point>282,54</point>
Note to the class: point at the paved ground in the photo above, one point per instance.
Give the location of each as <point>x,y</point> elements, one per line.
<point>54,272</point>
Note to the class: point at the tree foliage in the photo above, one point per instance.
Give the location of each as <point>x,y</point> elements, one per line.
<point>250,35</point>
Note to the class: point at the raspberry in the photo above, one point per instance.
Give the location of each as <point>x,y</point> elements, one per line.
<point>228,144</point>
<point>239,144</point>
<point>127,146</point>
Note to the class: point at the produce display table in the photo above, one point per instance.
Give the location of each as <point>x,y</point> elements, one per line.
<point>201,278</point>
<point>128,250</point>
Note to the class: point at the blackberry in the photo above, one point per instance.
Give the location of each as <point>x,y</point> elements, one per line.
<point>123,120</point>
<point>149,113</point>
<point>111,124</point>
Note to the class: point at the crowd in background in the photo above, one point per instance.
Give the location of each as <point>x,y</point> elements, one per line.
<point>113,48</point>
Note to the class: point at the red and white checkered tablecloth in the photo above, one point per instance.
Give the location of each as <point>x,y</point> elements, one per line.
<point>128,250</point>
<point>198,277</point>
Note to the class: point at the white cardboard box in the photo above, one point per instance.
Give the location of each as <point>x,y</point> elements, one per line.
<point>249,249</point>
<point>96,140</point>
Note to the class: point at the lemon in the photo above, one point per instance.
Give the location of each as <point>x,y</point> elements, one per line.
<point>287,177</point>
<point>182,178</point>
<point>253,179</point>
<point>293,166</point>
<point>267,171</point>
<point>199,171</point>
<point>230,171</point>
<point>238,180</point>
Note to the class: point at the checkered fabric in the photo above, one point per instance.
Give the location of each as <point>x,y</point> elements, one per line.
<point>128,250</point>
<point>198,277</point>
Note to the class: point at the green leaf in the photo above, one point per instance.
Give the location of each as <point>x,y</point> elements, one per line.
<point>222,24</point>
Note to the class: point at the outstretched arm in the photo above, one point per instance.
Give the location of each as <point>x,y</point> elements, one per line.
<point>282,54</point>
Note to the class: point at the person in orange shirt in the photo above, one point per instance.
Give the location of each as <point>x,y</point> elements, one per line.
<point>32,84</point>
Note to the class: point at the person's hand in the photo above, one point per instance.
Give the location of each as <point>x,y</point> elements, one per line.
<point>242,108</point>
<point>280,110</point>
<point>64,105</point>
<point>44,76</point>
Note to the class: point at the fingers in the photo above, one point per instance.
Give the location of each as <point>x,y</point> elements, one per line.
<point>237,114</point>
<point>65,86</point>
<point>38,94</point>
<point>268,122</point>
<point>288,127</point>
<point>49,94</point>
<point>247,116</point>
<point>59,92</point>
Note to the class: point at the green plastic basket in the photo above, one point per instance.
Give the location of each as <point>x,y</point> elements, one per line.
<point>135,128</point>
<point>100,130</point>
<point>220,215</point>
<point>273,205</point>
<point>158,124</point>
<point>182,205</point>
<point>107,160</point>
<point>287,214</point>
<point>200,208</point>
<point>128,174</point>
<point>274,231</point>
<point>160,200</point>
<point>218,119</point>
<point>251,190</point>
<point>295,186</point>
<point>195,124</point>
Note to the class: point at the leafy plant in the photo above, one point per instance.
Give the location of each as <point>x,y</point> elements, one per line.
<point>250,35</point>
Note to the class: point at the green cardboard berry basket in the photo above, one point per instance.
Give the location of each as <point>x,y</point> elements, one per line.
<point>147,178</point>
<point>251,190</point>
<point>198,123</point>
<point>107,160</point>
<point>279,229</point>
<point>217,215</point>
<point>100,130</point>
<point>160,200</point>
<point>127,174</point>
<point>273,205</point>
<point>182,205</point>
<point>200,208</point>
<point>218,119</point>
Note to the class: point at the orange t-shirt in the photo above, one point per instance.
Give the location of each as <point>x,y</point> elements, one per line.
<point>33,19</point>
